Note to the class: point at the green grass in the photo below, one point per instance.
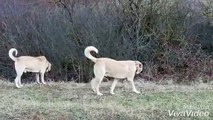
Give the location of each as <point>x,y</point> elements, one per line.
<point>72,101</point>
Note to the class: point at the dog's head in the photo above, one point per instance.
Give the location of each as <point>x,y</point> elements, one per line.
<point>139,67</point>
<point>48,66</point>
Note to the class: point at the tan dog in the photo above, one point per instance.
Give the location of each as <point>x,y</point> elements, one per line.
<point>112,68</point>
<point>39,65</point>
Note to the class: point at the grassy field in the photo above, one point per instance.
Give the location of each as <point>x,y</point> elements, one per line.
<point>73,101</point>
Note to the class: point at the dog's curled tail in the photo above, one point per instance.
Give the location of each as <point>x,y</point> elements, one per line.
<point>11,51</point>
<point>88,54</point>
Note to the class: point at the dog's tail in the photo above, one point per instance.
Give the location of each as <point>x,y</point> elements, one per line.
<point>88,54</point>
<point>11,51</point>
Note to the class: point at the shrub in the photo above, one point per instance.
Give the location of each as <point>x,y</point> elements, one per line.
<point>171,37</point>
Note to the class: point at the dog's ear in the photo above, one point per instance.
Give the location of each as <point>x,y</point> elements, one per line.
<point>139,67</point>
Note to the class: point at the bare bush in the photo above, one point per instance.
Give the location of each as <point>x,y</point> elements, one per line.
<point>172,37</point>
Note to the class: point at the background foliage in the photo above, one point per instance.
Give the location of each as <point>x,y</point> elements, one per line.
<point>173,38</point>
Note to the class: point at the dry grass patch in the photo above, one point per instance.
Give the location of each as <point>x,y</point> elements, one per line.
<point>76,101</point>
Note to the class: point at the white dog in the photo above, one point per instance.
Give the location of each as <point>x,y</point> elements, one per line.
<point>39,65</point>
<point>112,68</point>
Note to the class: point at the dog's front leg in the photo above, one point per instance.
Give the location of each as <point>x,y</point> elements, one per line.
<point>37,78</point>
<point>42,78</point>
<point>133,85</point>
<point>113,86</point>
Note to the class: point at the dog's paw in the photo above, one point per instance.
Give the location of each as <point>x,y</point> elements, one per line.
<point>137,92</point>
<point>94,90</point>
<point>99,94</point>
<point>39,83</point>
<point>44,83</point>
<point>18,86</point>
<point>112,93</point>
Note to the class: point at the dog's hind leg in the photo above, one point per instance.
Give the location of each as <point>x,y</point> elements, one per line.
<point>97,85</point>
<point>133,85</point>
<point>99,72</point>
<point>113,86</point>
<point>17,79</point>
<point>93,85</point>
<point>37,78</point>
<point>20,82</point>
<point>19,72</point>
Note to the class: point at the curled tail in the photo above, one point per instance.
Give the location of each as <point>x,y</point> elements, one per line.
<point>11,51</point>
<point>88,54</point>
